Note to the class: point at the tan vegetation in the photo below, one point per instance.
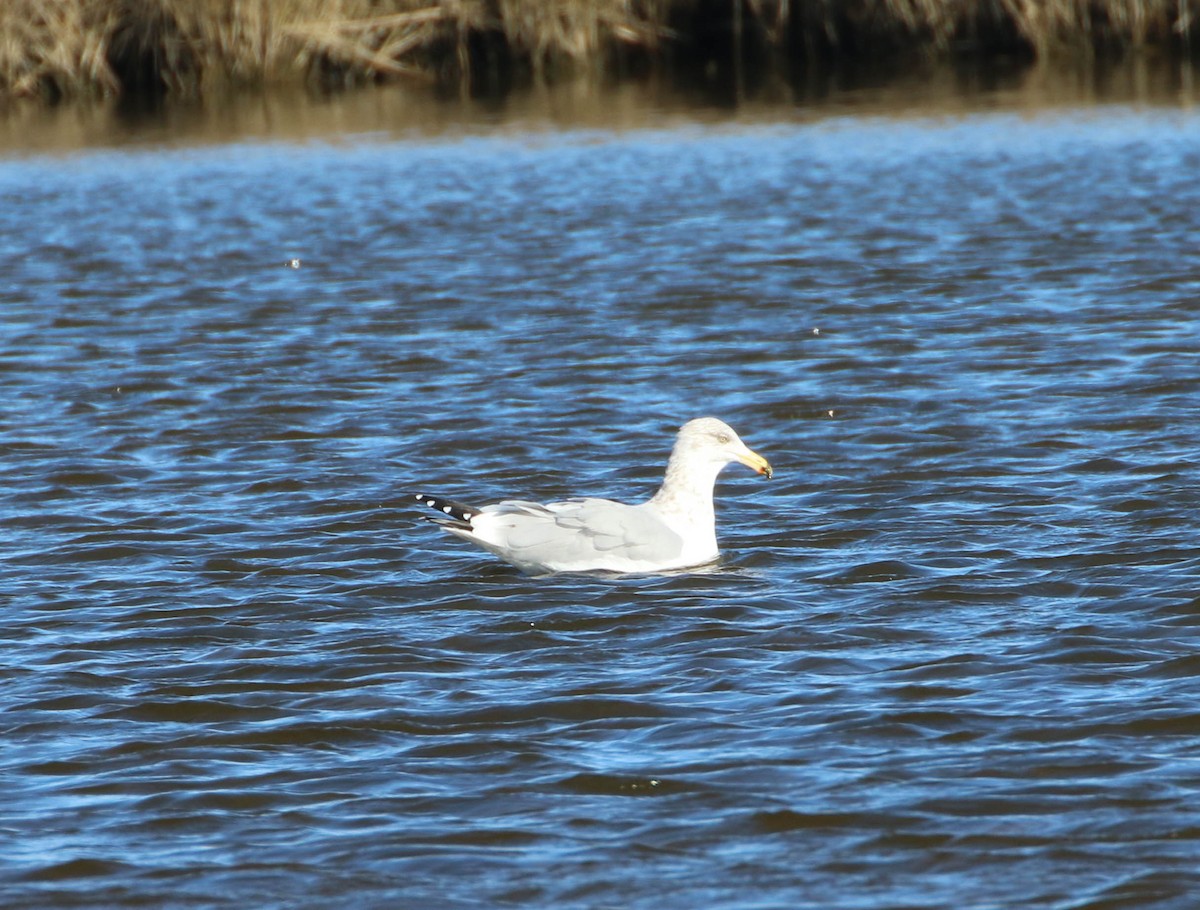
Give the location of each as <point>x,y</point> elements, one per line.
<point>55,48</point>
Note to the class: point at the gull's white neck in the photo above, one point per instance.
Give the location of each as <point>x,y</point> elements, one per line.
<point>685,500</point>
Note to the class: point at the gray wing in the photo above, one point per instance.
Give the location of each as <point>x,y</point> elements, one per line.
<point>576,532</point>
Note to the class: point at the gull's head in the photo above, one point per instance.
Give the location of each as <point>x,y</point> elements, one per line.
<point>714,441</point>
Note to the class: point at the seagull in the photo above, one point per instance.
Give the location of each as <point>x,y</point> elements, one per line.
<point>674,529</point>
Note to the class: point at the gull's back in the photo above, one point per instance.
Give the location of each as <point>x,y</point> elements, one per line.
<point>575,535</point>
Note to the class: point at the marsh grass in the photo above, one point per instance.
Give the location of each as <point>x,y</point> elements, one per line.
<point>51,49</point>
<point>48,45</point>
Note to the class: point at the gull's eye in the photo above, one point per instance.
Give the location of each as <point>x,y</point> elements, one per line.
<point>723,439</point>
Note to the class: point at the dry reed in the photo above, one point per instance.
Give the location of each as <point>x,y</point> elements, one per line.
<point>55,48</point>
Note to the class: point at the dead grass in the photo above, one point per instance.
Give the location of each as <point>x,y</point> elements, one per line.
<point>1113,23</point>
<point>51,49</point>
<point>55,43</point>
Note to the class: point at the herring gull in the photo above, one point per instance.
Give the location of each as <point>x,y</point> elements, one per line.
<point>674,529</point>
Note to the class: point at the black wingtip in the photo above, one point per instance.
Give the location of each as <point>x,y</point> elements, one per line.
<point>452,513</point>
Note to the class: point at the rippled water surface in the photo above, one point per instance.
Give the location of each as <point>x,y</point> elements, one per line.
<point>948,660</point>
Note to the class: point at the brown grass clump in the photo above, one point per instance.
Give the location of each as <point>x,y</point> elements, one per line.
<point>1109,24</point>
<point>56,48</point>
<point>190,45</point>
<point>1041,28</point>
<point>578,33</point>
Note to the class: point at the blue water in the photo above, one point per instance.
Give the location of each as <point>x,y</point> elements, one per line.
<point>948,660</point>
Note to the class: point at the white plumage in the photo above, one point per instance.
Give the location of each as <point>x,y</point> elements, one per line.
<point>674,529</point>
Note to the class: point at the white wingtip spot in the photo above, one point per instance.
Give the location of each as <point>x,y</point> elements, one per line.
<point>446,509</point>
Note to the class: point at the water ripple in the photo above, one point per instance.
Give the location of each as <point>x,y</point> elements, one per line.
<point>948,658</point>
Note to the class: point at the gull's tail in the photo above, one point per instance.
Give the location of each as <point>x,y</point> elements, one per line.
<point>452,514</point>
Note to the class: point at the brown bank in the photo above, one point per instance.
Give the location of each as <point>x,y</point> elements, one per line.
<point>55,49</point>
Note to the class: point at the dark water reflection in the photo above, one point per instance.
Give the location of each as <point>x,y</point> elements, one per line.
<point>665,100</point>
<point>949,659</point>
